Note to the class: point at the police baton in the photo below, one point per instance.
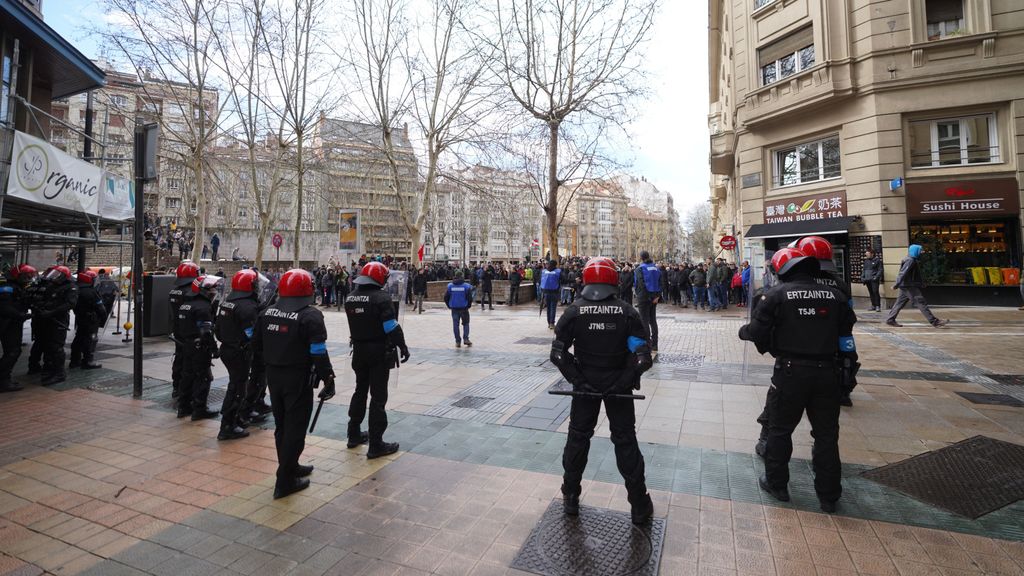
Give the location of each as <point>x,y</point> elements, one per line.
<point>596,394</point>
<point>316,415</point>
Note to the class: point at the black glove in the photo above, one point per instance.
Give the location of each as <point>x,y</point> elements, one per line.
<point>405,354</point>
<point>328,392</point>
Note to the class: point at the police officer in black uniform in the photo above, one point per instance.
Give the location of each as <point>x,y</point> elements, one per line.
<point>61,296</point>
<point>806,326</point>
<point>187,272</point>
<point>377,338</point>
<point>90,314</point>
<point>193,327</point>
<point>35,298</point>
<point>13,314</point>
<point>235,326</point>
<point>290,345</point>
<point>611,352</point>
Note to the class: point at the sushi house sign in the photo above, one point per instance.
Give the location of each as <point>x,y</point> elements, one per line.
<point>802,208</point>
<point>965,198</point>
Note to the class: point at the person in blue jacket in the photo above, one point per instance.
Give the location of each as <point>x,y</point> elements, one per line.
<point>647,287</point>
<point>550,284</point>
<point>458,297</point>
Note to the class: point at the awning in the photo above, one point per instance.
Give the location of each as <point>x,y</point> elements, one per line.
<point>57,63</point>
<point>801,228</point>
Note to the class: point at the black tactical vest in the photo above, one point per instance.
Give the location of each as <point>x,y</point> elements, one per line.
<point>600,333</point>
<point>808,316</point>
<point>286,335</point>
<point>367,309</point>
<point>233,318</point>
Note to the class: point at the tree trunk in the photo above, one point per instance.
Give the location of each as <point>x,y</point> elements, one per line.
<point>552,207</point>
<point>261,241</point>
<point>200,217</point>
<point>298,199</point>
<point>414,247</point>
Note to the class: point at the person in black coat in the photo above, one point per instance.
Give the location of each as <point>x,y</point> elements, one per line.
<point>487,287</point>
<point>871,276</point>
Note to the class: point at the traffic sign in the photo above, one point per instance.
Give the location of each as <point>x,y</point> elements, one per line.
<point>727,242</point>
<point>277,240</point>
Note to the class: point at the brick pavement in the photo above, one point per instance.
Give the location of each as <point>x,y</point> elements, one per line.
<point>94,482</point>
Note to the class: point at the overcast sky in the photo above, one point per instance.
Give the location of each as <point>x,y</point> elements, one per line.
<point>669,139</point>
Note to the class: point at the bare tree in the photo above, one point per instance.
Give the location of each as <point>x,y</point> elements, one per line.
<point>699,227</point>
<point>434,79</point>
<point>169,43</point>
<point>566,64</point>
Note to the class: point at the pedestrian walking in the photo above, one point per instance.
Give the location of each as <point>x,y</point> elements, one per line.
<point>871,276</point>
<point>610,352</point>
<point>214,245</point>
<point>458,297</point>
<point>419,289</point>
<point>515,277</point>
<point>550,283</point>
<point>909,282</point>
<point>647,287</point>
<point>290,348</point>
<point>377,341</point>
<point>805,326</point>
<point>487,287</point>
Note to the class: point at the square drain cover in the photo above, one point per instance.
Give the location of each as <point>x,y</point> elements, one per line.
<point>598,542</point>
<point>692,360</point>
<point>991,399</point>
<point>471,402</point>
<point>971,478</point>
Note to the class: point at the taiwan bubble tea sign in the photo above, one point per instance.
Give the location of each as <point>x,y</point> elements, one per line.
<point>803,208</point>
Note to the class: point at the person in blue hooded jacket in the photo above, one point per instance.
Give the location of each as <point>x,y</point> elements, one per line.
<point>909,282</point>
<point>458,297</point>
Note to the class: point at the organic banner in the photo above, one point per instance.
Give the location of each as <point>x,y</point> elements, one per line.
<point>348,233</point>
<point>43,174</point>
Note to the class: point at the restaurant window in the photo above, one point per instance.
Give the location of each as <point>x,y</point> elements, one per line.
<point>954,141</point>
<point>807,162</point>
<point>945,18</point>
<point>786,56</point>
<point>967,253</point>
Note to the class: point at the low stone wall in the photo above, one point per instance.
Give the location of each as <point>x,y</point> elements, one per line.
<point>435,291</point>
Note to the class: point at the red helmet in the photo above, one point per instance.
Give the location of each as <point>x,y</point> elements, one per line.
<point>87,277</point>
<point>295,283</point>
<point>59,273</point>
<point>784,260</point>
<point>26,269</point>
<point>244,281</point>
<point>600,279</point>
<point>373,273</point>
<point>817,247</point>
<point>206,285</point>
<point>187,269</point>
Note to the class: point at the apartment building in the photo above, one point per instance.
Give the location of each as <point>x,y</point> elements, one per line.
<point>599,208</point>
<point>648,231</point>
<point>875,124</point>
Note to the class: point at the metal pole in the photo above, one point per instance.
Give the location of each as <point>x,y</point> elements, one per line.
<point>137,278</point>
<point>120,268</point>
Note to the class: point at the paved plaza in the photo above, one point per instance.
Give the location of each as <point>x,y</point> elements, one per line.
<point>94,482</point>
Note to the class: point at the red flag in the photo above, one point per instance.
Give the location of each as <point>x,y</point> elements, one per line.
<point>420,253</point>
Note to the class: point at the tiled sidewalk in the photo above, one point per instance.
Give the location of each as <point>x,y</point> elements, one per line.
<point>94,482</point>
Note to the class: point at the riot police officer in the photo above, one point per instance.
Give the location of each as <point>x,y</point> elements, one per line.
<point>35,298</point>
<point>611,352</point>
<point>821,250</point>
<point>61,296</point>
<point>805,326</point>
<point>90,313</point>
<point>235,325</point>
<point>647,284</point>
<point>187,272</point>
<point>13,314</point>
<point>290,345</point>
<point>377,338</point>
<point>193,327</point>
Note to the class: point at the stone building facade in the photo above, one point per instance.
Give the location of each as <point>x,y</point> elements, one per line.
<point>874,124</point>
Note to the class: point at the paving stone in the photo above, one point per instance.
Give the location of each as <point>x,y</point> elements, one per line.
<point>291,546</point>
<point>144,555</point>
<point>185,565</point>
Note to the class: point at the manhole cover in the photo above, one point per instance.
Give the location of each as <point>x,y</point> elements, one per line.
<point>1008,379</point>
<point>693,360</point>
<point>991,399</point>
<point>971,478</point>
<point>534,340</point>
<point>596,543</point>
<point>471,402</point>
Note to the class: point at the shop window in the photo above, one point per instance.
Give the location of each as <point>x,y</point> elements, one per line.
<point>787,56</point>
<point>954,141</point>
<point>945,18</point>
<point>807,162</point>
<point>966,252</point>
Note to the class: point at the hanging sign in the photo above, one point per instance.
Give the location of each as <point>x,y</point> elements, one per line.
<point>44,174</point>
<point>117,199</point>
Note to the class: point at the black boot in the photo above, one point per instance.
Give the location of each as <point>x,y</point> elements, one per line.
<point>780,494</point>
<point>642,510</point>
<point>262,408</point>
<point>9,386</point>
<point>571,504</point>
<point>304,470</point>
<point>34,368</point>
<point>357,439</point>
<point>204,413</point>
<point>287,487</point>
<point>74,364</point>
<point>55,378</point>
<point>90,365</point>
<point>845,400</point>
<point>232,433</point>
<point>382,449</point>
<point>828,506</point>
<point>761,447</point>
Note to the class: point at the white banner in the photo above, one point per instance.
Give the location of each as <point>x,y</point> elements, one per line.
<point>117,201</point>
<point>43,174</point>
